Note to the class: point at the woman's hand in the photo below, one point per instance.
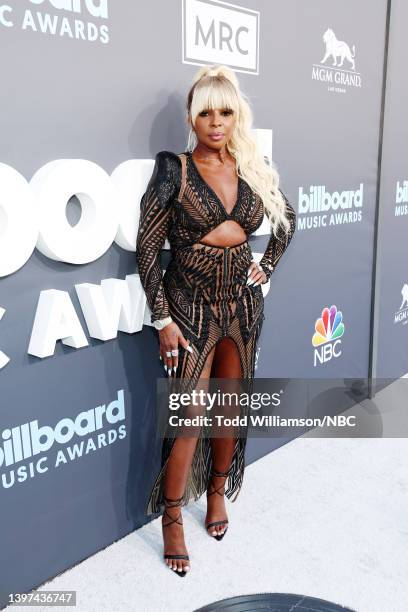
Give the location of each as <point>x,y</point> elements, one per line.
<point>170,337</point>
<point>255,274</point>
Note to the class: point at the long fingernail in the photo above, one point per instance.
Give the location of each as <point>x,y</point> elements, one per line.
<point>169,372</point>
<point>165,367</point>
<point>257,283</point>
<point>161,358</point>
<point>190,349</point>
<point>250,281</point>
<point>249,272</point>
<point>174,368</point>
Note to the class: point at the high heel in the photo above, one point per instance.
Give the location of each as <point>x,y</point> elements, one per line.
<point>174,503</point>
<point>218,491</point>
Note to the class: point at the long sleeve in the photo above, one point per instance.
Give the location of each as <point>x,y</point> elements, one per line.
<point>276,247</point>
<point>155,208</point>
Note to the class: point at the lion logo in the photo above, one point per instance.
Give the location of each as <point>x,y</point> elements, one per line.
<point>337,48</point>
<point>404,293</point>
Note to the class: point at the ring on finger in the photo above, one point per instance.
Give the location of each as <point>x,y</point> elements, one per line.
<point>168,353</point>
<point>174,352</point>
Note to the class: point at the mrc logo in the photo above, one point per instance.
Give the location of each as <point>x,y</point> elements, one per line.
<point>215,32</point>
<point>329,328</point>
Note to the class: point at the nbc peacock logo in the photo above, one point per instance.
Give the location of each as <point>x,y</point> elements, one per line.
<point>329,328</point>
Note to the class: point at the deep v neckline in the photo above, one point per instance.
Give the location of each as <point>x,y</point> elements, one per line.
<point>211,190</point>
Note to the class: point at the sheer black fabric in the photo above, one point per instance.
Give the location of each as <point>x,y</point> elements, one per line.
<point>204,287</point>
<point>185,223</point>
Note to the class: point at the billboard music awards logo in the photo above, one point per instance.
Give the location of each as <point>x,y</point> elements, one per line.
<point>337,68</point>
<point>329,328</point>
<point>100,427</point>
<point>401,199</point>
<point>86,20</point>
<point>317,207</point>
<point>215,32</point>
<point>401,316</point>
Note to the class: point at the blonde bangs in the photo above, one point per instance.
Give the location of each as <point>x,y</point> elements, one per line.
<point>213,93</point>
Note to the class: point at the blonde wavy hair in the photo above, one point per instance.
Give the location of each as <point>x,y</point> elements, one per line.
<point>217,87</point>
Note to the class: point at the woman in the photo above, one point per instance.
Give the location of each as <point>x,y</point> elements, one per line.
<point>208,307</point>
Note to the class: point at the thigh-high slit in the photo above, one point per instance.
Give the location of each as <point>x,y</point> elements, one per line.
<point>209,300</point>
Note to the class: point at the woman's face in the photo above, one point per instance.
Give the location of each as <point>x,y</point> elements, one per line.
<point>214,128</point>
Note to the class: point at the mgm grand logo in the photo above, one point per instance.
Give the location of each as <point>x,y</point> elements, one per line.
<point>401,316</point>
<point>338,66</point>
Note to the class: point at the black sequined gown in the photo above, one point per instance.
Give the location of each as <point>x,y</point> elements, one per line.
<point>204,287</point>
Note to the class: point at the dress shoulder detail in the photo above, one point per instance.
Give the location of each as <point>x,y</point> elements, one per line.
<point>166,176</point>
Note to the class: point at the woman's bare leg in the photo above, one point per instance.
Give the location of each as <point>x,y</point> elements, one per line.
<point>226,364</point>
<point>175,480</point>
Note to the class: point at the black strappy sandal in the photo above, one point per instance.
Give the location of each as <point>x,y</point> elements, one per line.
<point>218,491</point>
<point>174,503</point>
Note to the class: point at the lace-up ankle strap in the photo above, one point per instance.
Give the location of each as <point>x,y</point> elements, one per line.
<point>216,474</point>
<point>220,474</point>
<point>172,503</point>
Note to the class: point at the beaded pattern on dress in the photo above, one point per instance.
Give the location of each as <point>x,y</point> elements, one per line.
<point>204,288</point>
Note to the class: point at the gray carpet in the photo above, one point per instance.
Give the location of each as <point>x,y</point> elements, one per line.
<point>325,518</point>
<point>319,517</point>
